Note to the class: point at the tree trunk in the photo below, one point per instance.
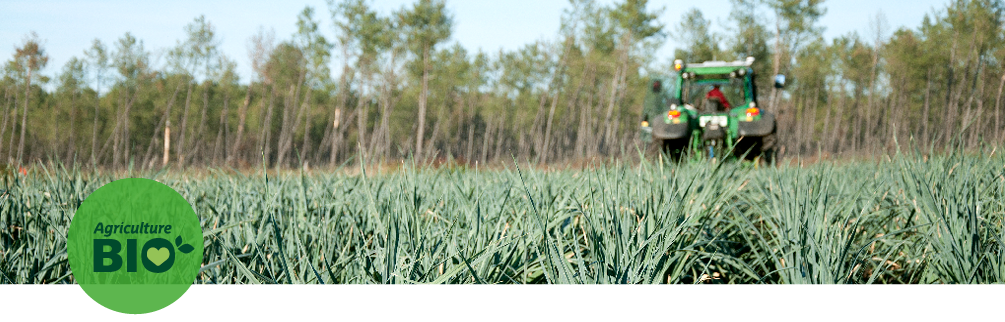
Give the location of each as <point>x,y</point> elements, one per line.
<point>610,108</point>
<point>812,124</point>
<point>13,131</point>
<point>242,115</point>
<point>334,134</point>
<point>337,130</point>
<point>471,131</point>
<point>950,120</point>
<point>120,134</point>
<point>116,134</point>
<point>500,137</point>
<point>486,136</point>
<point>200,143</point>
<point>827,123</point>
<point>24,117</point>
<point>777,60</point>
<point>448,124</point>
<point>363,111</point>
<point>266,137</point>
<point>72,137</point>
<point>563,138</point>
<point>6,118</point>
<point>839,136</point>
<point>339,133</point>
<point>547,128</point>
<point>796,126</point>
<point>423,96</point>
<point>291,119</point>
<point>431,143</point>
<point>306,111</point>
<point>619,143</point>
<point>911,127</point>
<point>94,130</point>
<point>164,123</point>
<point>180,147</point>
<point>325,139</point>
<point>859,120</point>
<point>474,100</point>
<point>378,142</point>
<point>593,133</point>
<point>998,101</point>
<point>167,143</point>
<point>536,132</point>
<point>390,84</point>
<point>287,115</point>
<point>571,106</point>
<point>556,87</point>
<point>300,109</point>
<point>925,121</point>
<point>977,118</point>
<point>870,129</point>
<point>126,147</point>
<point>219,146</point>
<point>583,133</point>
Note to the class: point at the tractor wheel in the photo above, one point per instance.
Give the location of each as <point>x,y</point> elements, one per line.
<point>748,148</point>
<point>769,149</point>
<point>675,149</point>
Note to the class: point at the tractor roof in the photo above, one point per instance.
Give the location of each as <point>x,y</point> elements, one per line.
<point>718,67</point>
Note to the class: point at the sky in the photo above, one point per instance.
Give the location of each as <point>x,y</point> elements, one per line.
<point>68,27</point>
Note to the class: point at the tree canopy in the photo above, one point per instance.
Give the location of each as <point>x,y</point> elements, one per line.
<point>403,88</point>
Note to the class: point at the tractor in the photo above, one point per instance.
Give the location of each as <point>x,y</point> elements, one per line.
<point>709,109</point>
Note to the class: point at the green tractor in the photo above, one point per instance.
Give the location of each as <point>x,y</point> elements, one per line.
<point>709,109</point>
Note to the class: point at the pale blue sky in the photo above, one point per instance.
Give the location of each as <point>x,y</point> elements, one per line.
<point>69,26</point>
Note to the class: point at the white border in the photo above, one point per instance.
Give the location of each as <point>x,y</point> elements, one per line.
<point>525,303</point>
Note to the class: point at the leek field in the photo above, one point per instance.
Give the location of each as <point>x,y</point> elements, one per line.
<point>901,219</point>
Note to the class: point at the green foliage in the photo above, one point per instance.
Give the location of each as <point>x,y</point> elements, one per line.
<point>426,24</point>
<point>31,55</point>
<point>905,220</point>
<point>798,17</point>
<point>73,77</point>
<point>130,60</point>
<point>201,45</point>
<point>750,39</point>
<point>314,45</point>
<point>286,64</point>
<point>699,44</point>
<point>633,19</point>
<point>575,96</point>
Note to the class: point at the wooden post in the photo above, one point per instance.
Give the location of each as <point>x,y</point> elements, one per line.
<point>167,142</point>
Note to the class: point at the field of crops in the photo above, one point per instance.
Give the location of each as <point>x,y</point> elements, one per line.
<point>905,219</point>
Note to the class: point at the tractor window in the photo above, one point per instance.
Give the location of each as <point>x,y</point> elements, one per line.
<point>694,91</point>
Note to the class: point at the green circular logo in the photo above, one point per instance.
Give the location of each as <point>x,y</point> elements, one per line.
<point>135,246</point>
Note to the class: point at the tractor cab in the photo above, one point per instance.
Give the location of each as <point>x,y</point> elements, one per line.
<point>717,90</point>
<point>714,95</point>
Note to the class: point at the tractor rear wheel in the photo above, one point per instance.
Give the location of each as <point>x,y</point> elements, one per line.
<point>675,149</point>
<point>769,149</point>
<point>747,148</point>
<point>754,148</point>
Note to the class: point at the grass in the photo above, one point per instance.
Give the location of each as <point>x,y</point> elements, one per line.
<point>906,219</point>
